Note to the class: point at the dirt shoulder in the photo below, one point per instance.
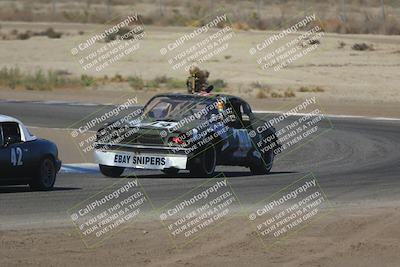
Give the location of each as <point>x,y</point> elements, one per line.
<point>345,237</point>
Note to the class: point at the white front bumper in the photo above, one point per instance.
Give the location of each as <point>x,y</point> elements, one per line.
<point>140,160</point>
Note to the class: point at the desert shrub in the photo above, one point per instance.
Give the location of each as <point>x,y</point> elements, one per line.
<point>152,84</point>
<point>261,94</point>
<point>164,81</point>
<point>118,78</point>
<point>276,95</point>
<point>259,85</point>
<point>175,83</point>
<point>362,47</point>
<point>23,35</point>
<point>136,82</point>
<point>161,79</point>
<point>289,93</point>
<point>11,77</point>
<point>218,83</point>
<point>87,80</point>
<point>37,81</point>
<point>49,32</point>
<point>56,79</point>
<point>241,26</point>
<point>62,72</point>
<point>315,89</point>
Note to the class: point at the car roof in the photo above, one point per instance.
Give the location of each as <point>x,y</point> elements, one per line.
<point>4,118</point>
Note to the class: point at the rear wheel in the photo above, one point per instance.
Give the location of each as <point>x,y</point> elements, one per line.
<point>203,165</point>
<point>263,164</point>
<point>45,177</point>
<point>111,171</point>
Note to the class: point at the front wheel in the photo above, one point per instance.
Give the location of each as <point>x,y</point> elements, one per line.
<point>110,171</point>
<point>262,164</point>
<point>45,177</point>
<point>203,165</point>
<point>170,172</point>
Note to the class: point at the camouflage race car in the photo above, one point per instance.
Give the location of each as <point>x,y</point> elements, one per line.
<point>185,132</point>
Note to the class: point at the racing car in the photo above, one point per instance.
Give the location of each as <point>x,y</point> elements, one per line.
<point>24,158</point>
<point>194,132</point>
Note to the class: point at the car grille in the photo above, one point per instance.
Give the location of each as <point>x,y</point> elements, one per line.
<point>143,139</point>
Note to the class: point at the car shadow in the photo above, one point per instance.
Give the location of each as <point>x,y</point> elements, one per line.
<point>25,189</point>
<point>228,174</point>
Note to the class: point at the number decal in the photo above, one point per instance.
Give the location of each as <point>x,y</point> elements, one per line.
<point>16,156</point>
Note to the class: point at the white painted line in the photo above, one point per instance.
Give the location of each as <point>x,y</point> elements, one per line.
<point>88,168</point>
<point>332,115</point>
<point>80,168</point>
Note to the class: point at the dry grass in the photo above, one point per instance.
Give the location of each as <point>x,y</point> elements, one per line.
<point>266,91</point>
<point>289,93</point>
<point>40,80</point>
<point>261,94</point>
<point>363,47</point>
<point>275,94</point>
<point>15,35</point>
<point>312,89</point>
<point>245,15</point>
<point>341,44</point>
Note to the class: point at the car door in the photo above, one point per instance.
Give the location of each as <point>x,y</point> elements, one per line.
<point>3,157</point>
<point>12,158</point>
<point>239,140</point>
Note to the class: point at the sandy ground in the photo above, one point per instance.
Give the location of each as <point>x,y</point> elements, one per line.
<point>355,82</point>
<point>356,236</point>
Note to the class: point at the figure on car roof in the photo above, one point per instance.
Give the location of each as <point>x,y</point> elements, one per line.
<point>197,81</point>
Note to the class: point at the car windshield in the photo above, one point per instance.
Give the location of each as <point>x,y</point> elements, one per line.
<point>175,108</point>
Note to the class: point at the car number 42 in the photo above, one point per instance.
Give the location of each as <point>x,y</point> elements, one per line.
<point>16,156</point>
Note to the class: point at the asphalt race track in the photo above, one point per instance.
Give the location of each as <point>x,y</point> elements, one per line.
<point>356,163</point>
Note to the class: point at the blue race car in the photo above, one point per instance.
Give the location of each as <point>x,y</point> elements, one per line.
<point>24,158</point>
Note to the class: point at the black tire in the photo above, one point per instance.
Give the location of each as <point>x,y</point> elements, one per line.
<point>45,176</point>
<point>262,165</point>
<point>110,171</point>
<point>170,172</point>
<point>203,165</point>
